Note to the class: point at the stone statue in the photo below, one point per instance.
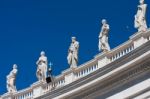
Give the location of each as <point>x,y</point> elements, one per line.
<point>11,78</point>
<point>42,67</point>
<point>140,20</point>
<point>103,37</point>
<point>73,53</point>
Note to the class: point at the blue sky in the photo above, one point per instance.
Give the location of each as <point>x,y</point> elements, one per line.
<point>29,26</point>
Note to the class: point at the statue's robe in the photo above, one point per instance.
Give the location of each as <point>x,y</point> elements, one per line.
<point>73,54</point>
<point>140,20</point>
<point>42,68</point>
<point>11,78</point>
<point>103,38</point>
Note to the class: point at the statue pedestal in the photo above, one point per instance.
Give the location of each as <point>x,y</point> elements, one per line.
<point>102,59</point>
<point>38,88</point>
<point>8,96</point>
<point>69,75</point>
<point>140,38</point>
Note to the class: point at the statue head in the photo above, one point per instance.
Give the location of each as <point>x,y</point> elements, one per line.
<point>73,39</point>
<point>42,53</point>
<point>141,1</point>
<point>104,21</point>
<point>14,66</point>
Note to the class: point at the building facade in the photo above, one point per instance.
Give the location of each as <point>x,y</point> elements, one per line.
<point>122,73</point>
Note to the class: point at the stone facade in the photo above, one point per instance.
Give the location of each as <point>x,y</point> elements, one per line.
<point>122,72</point>
<point>108,80</point>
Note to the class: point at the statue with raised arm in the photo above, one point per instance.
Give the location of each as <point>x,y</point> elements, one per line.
<point>73,53</point>
<point>42,67</point>
<point>11,78</point>
<point>140,20</point>
<point>103,37</point>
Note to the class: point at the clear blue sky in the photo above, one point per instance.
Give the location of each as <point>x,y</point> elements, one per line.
<point>30,26</point>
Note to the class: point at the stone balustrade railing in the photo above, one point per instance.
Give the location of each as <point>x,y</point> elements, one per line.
<point>39,88</point>
<point>86,69</point>
<point>24,94</point>
<point>57,82</point>
<point>121,51</point>
<point>60,81</point>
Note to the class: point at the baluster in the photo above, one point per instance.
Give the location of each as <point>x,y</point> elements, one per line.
<point>124,51</point>
<point>128,49</point>
<point>121,53</point>
<point>15,97</point>
<point>132,47</point>
<point>91,68</point>
<point>26,95</point>
<point>29,94</point>
<point>82,72</point>
<point>112,58</point>
<point>61,82</point>
<point>86,72</point>
<point>78,74</point>
<point>117,55</point>
<point>23,96</point>
<point>94,67</point>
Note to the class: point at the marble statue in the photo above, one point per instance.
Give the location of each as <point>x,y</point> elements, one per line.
<point>140,20</point>
<point>103,37</point>
<point>42,67</point>
<point>11,78</point>
<point>73,53</point>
